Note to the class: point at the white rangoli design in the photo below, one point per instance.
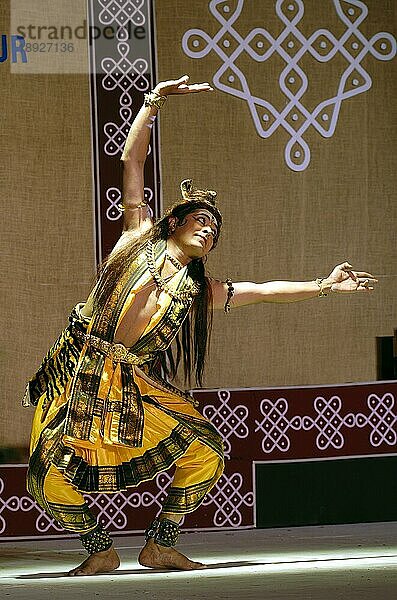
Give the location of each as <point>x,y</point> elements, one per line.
<point>122,12</point>
<point>382,420</point>
<point>228,421</point>
<point>291,45</point>
<point>328,422</point>
<point>229,498</point>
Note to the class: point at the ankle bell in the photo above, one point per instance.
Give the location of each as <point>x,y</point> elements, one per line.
<point>163,531</point>
<point>97,540</point>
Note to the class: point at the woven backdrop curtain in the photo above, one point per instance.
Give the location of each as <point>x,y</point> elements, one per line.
<point>280,223</point>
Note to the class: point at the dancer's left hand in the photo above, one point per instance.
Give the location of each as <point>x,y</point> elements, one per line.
<point>344,278</point>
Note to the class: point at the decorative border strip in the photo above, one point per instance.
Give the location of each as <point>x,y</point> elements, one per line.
<point>258,425</point>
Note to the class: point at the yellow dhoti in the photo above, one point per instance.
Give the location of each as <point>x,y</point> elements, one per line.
<point>174,433</point>
<point>104,422</point>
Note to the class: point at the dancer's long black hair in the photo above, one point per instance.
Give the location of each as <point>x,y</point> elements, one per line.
<point>193,339</point>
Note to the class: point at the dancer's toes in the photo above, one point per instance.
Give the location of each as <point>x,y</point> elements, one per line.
<point>155,556</point>
<point>99,562</point>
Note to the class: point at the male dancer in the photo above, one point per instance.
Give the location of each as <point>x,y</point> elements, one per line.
<point>105,419</point>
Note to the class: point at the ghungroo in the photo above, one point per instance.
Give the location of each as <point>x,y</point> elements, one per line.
<point>97,540</point>
<point>164,532</point>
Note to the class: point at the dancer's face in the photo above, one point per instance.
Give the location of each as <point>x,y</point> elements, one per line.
<point>195,234</point>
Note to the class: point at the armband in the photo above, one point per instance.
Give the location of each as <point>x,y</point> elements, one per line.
<point>140,205</point>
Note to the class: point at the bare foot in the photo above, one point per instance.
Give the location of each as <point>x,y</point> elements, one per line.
<point>159,557</point>
<point>100,562</point>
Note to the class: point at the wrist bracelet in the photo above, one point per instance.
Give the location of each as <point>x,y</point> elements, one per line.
<point>154,99</point>
<point>230,294</point>
<point>319,282</point>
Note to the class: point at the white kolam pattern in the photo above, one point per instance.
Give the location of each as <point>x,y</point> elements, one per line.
<point>228,421</point>
<point>292,46</point>
<point>381,420</point>
<point>229,498</point>
<point>110,509</point>
<point>328,422</point>
<point>122,11</point>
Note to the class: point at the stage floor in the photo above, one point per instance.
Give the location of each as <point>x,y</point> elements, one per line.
<point>303,563</point>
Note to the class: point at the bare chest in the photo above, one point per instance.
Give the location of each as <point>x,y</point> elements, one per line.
<point>137,317</point>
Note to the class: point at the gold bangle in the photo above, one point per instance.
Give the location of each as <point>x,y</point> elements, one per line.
<point>319,282</point>
<point>154,99</point>
<point>122,206</point>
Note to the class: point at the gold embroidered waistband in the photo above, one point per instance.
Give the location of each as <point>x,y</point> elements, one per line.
<point>115,352</point>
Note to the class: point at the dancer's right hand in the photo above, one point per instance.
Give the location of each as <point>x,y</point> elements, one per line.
<point>181,86</point>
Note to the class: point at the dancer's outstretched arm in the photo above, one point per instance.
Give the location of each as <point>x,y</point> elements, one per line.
<point>136,215</point>
<point>342,279</point>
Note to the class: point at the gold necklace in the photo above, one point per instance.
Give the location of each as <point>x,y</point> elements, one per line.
<point>183,295</point>
<point>174,261</point>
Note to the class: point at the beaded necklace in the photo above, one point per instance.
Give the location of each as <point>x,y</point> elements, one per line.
<point>184,295</point>
<point>174,261</point>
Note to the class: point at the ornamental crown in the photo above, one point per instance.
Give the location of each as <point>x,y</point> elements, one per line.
<point>190,193</point>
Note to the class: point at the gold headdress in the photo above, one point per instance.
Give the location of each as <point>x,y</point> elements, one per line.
<point>189,193</point>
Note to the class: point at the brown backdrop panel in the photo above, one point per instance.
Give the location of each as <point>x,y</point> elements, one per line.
<point>282,224</point>
<point>279,223</point>
<point>46,244</point>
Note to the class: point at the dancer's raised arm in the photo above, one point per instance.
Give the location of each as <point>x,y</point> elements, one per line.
<point>136,214</point>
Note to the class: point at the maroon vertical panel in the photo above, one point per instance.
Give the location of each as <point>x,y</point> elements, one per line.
<point>122,64</point>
